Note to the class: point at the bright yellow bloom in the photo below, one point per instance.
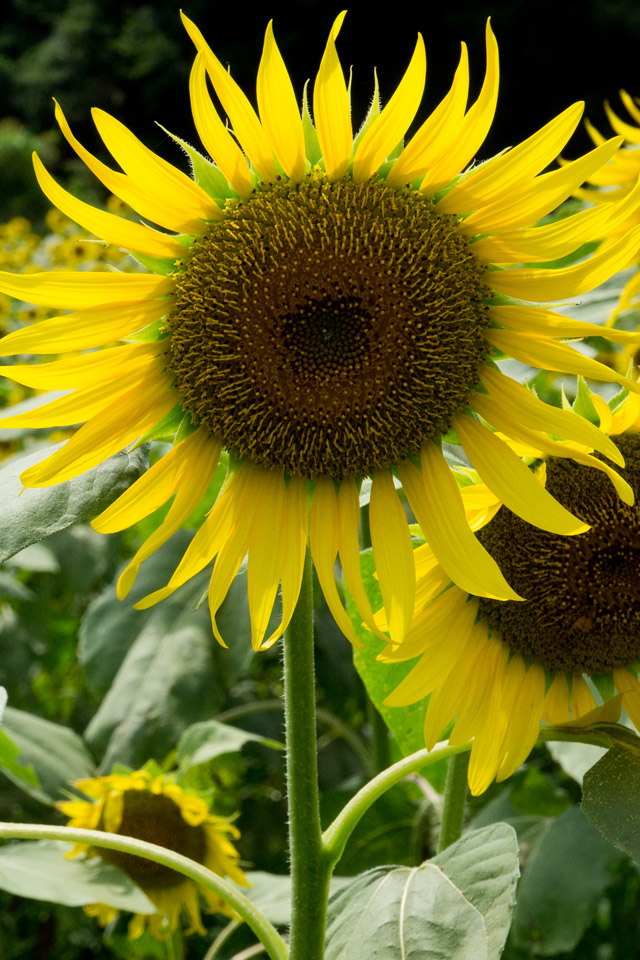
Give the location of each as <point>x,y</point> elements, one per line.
<point>499,668</point>
<point>616,180</point>
<point>152,807</point>
<point>325,309</point>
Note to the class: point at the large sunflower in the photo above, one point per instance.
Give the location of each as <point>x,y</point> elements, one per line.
<point>325,309</point>
<point>150,806</point>
<point>497,667</point>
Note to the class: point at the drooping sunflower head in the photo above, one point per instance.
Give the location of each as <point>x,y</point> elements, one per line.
<point>320,307</point>
<point>150,806</point>
<point>498,668</point>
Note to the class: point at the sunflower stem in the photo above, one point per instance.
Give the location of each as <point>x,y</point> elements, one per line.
<point>310,870</point>
<point>455,795</point>
<point>229,892</point>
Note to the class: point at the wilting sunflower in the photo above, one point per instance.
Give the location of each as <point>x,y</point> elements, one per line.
<point>497,667</point>
<point>617,180</point>
<point>325,309</point>
<point>150,806</point>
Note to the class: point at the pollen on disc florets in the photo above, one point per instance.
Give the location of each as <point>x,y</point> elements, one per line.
<point>328,329</point>
<point>583,592</point>
<point>155,818</point>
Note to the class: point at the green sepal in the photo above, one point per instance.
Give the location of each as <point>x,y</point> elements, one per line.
<point>150,334</point>
<point>205,173</point>
<point>165,429</point>
<point>160,265</point>
<point>373,113</point>
<point>618,399</point>
<point>605,685</point>
<point>311,141</point>
<point>583,405</point>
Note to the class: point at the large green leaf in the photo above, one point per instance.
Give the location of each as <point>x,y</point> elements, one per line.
<point>456,906</point>
<point>57,754</point>
<point>204,742</point>
<point>31,515</point>
<point>566,874</point>
<point>40,870</point>
<point>611,799</point>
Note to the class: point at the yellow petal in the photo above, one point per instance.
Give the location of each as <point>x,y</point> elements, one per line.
<point>157,208</point>
<point>501,175</point>
<point>332,108</point>
<point>266,550</point>
<point>111,430</point>
<point>438,132</point>
<point>512,481</point>
<point>632,134</point>
<point>488,738</point>
<point>542,416</point>
<point>324,538</point>
<point>627,684</point>
<point>436,503</point>
<point>582,700</point>
<point>390,126</point>
<point>244,121</point>
<point>156,175</point>
<point>524,727</point>
<point>538,321</point>
<point>67,290</point>
<point>279,110</point>
<point>112,229</point>
<point>556,704</point>
<point>84,370</point>
<point>549,355</point>
<point>294,536</point>
<point>392,553</point>
<point>430,625</point>
<point>474,128</point>
<point>349,548</point>
<point>213,133</point>
<point>93,327</point>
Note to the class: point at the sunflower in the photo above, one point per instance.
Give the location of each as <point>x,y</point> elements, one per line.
<point>616,180</point>
<point>150,806</point>
<point>320,310</point>
<point>499,668</point>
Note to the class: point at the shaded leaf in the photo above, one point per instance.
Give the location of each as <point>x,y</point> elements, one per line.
<point>566,874</point>
<point>31,515</point>
<point>57,754</point>
<point>453,907</point>
<point>203,742</point>
<point>611,799</point>
<point>39,870</point>
<point>271,893</point>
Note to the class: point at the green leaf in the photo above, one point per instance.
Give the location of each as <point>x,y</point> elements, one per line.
<point>457,905</point>
<point>271,893</point>
<point>9,762</point>
<point>575,758</point>
<point>203,742</point>
<point>160,669</point>
<point>57,754</point>
<point>610,798</point>
<point>31,515</point>
<point>565,876</point>
<point>380,679</point>
<point>39,870</point>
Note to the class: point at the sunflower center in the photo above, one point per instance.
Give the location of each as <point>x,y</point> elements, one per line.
<point>583,592</point>
<point>328,329</point>
<point>156,819</point>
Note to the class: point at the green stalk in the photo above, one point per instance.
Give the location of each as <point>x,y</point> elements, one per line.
<point>254,918</point>
<point>336,835</point>
<point>455,795</point>
<point>310,869</point>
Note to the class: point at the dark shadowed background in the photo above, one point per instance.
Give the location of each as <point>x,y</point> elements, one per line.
<point>133,60</point>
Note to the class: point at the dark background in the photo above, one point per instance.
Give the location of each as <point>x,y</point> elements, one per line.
<point>133,60</point>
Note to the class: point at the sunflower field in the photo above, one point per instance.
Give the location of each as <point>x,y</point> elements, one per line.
<point>319,482</point>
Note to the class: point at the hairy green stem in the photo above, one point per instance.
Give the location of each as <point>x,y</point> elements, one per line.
<point>254,918</point>
<point>455,795</point>
<point>310,870</point>
<point>336,835</point>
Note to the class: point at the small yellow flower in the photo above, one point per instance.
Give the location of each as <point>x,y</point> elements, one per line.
<point>324,308</point>
<point>154,808</point>
<point>499,668</point>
